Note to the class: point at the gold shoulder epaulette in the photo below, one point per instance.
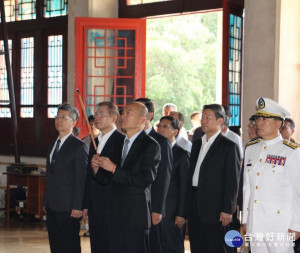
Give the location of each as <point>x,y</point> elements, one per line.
<point>257,140</point>
<point>290,144</point>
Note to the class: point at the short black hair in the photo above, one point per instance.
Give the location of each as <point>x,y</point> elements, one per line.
<point>74,114</point>
<point>76,131</point>
<point>292,123</point>
<point>147,102</point>
<point>217,109</point>
<point>252,118</point>
<point>174,122</point>
<point>91,118</point>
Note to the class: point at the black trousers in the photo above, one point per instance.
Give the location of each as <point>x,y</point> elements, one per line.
<point>172,237</point>
<point>155,239</point>
<point>127,240</point>
<point>98,229</point>
<point>63,232</point>
<point>206,238</point>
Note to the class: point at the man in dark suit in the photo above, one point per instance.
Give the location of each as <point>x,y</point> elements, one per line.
<point>213,186</point>
<point>97,194</point>
<point>129,214</point>
<point>172,225</point>
<point>159,188</point>
<point>65,183</point>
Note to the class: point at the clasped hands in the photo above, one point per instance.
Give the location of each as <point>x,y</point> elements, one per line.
<point>225,218</point>
<point>103,162</point>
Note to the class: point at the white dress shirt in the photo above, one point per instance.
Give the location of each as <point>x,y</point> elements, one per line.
<point>103,139</point>
<point>206,144</point>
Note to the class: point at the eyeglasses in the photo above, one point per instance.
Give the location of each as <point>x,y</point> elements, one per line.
<point>63,117</point>
<point>164,126</point>
<point>101,114</point>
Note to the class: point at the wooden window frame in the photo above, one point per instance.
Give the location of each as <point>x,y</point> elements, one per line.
<point>34,134</point>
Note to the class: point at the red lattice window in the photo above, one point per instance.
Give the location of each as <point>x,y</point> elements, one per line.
<point>110,62</point>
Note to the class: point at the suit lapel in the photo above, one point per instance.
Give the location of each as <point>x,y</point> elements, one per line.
<point>64,148</point>
<point>49,152</point>
<point>175,149</point>
<point>108,144</point>
<point>152,132</point>
<point>92,150</point>
<point>212,149</point>
<point>195,154</point>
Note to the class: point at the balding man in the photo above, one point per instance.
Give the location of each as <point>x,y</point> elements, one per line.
<point>129,216</point>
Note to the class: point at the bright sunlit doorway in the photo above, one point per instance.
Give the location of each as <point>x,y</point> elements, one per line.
<point>184,61</point>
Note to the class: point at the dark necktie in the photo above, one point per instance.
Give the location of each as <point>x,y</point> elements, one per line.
<point>55,152</point>
<point>125,151</point>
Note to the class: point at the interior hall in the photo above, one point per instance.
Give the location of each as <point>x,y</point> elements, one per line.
<point>59,51</point>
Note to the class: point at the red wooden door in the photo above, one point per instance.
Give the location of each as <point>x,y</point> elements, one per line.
<point>109,62</point>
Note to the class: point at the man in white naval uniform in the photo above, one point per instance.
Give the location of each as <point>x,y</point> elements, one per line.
<point>271,205</point>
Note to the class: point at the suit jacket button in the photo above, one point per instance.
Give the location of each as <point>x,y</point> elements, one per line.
<point>278,212</point>
<point>258,173</point>
<point>255,201</point>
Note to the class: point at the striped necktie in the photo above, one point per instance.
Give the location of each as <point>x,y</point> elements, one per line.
<point>125,151</point>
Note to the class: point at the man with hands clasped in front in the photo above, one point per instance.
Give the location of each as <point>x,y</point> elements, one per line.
<point>129,214</point>
<point>98,182</point>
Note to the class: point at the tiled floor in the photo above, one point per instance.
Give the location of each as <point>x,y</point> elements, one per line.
<point>24,237</point>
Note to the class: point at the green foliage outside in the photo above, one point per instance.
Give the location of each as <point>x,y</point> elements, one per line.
<point>181,62</point>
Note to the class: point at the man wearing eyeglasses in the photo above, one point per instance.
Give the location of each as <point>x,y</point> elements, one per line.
<point>98,183</point>
<point>65,179</point>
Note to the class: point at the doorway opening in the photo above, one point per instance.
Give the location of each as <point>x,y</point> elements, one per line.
<point>184,62</point>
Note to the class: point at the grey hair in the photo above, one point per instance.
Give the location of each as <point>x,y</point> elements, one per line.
<point>74,113</point>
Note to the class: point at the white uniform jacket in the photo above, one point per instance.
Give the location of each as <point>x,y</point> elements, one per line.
<point>271,188</point>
